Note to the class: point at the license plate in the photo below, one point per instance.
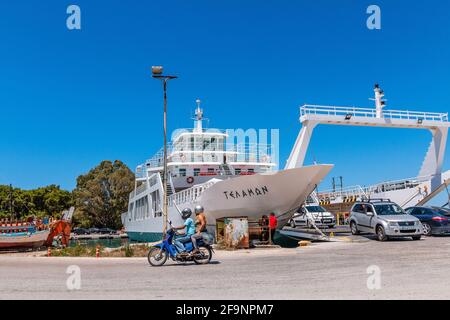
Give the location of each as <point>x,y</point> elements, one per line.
<point>327,221</point>
<point>407,228</point>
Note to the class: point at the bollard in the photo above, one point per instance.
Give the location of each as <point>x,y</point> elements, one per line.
<point>49,252</point>
<point>97,252</point>
<point>332,235</point>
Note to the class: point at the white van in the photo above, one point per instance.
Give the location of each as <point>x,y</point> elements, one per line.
<point>314,212</point>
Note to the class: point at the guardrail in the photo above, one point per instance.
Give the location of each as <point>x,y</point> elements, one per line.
<point>372,113</point>
<point>345,192</point>
<point>260,153</point>
<point>366,192</point>
<point>189,195</point>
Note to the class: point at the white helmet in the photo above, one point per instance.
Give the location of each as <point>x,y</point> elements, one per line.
<point>198,210</point>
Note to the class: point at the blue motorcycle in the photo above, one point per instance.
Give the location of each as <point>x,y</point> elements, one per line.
<point>159,254</point>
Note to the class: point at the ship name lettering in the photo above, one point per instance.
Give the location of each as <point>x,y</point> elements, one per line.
<point>253,192</point>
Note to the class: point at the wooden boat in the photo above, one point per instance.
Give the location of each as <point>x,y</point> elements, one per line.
<point>22,235</point>
<point>35,235</point>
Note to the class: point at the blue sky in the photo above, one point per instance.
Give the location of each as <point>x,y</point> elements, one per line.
<point>70,99</point>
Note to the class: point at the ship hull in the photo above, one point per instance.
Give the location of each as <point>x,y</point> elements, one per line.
<point>23,240</point>
<point>253,196</point>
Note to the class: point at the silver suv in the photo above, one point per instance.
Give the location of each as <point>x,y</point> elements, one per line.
<point>385,219</point>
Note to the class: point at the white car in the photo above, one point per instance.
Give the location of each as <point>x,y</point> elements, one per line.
<point>306,214</point>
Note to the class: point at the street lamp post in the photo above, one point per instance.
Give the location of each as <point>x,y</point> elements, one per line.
<point>157,73</point>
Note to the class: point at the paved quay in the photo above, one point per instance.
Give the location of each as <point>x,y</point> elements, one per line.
<point>408,270</point>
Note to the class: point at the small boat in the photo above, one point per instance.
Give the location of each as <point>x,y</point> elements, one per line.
<point>22,235</point>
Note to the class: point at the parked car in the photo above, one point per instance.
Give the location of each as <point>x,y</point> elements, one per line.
<point>385,219</point>
<point>306,214</point>
<point>94,230</point>
<point>80,231</point>
<point>107,231</point>
<point>435,220</point>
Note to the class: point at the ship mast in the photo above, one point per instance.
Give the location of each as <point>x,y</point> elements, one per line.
<point>379,102</point>
<point>198,117</point>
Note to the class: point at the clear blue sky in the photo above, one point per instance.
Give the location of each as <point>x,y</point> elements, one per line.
<point>70,99</point>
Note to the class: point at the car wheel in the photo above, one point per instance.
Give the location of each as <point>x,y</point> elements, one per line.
<point>381,234</point>
<point>417,238</point>
<point>354,228</point>
<point>426,229</point>
<point>293,225</point>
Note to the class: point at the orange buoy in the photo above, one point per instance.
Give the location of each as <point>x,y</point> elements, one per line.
<point>97,252</point>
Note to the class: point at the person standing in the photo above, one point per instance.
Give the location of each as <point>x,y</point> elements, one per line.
<point>273,223</point>
<point>264,224</point>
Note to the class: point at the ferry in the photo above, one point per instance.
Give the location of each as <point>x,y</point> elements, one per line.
<point>228,179</point>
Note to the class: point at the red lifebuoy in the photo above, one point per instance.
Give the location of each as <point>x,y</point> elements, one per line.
<point>190,180</point>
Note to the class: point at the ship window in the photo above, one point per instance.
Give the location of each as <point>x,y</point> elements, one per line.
<point>211,170</point>
<point>237,171</point>
<point>196,172</point>
<point>183,172</point>
<point>251,170</point>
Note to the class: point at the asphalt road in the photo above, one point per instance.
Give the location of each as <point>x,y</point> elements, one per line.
<point>408,270</point>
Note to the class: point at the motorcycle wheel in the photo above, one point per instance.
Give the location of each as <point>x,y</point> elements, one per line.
<point>204,256</point>
<point>157,257</point>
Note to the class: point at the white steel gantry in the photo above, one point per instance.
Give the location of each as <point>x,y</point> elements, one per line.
<point>437,123</point>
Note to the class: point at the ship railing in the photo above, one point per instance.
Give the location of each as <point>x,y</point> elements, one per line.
<point>153,179</point>
<point>178,132</point>
<point>248,153</point>
<point>140,189</point>
<point>372,113</point>
<point>348,192</point>
<point>397,185</point>
<point>189,195</point>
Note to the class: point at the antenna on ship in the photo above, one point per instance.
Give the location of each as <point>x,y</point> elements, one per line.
<point>380,103</point>
<point>198,116</point>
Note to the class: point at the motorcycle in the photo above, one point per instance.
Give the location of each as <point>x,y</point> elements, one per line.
<point>159,254</point>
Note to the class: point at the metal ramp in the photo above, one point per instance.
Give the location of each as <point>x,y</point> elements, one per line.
<point>303,234</point>
<point>433,194</point>
<point>330,235</point>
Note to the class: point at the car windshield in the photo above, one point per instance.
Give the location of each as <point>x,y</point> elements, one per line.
<point>388,209</point>
<point>315,209</point>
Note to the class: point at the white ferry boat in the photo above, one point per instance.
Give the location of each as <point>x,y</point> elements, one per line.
<point>227,179</point>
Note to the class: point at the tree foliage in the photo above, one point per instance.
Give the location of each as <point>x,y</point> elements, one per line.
<point>45,201</point>
<point>101,195</point>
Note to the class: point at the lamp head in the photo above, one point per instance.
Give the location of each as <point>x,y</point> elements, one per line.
<point>157,70</point>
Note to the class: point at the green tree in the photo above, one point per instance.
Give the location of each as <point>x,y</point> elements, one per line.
<point>101,195</point>
<point>45,201</point>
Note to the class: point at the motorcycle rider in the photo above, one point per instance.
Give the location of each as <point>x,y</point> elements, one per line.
<point>189,225</point>
<point>201,227</point>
